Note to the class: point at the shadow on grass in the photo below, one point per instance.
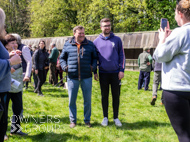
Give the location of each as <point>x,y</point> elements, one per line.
<point>142,125</point>
<point>54,137</point>
<point>62,95</point>
<point>135,125</point>
<point>55,92</point>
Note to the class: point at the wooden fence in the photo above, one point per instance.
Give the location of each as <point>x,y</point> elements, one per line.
<point>131,65</point>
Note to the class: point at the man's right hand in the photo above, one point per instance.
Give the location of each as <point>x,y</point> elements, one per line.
<point>36,72</point>
<point>96,77</point>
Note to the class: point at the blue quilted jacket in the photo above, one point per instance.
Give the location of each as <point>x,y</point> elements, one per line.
<point>78,65</point>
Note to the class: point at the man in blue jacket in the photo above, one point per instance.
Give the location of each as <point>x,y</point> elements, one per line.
<point>79,59</point>
<point>111,68</point>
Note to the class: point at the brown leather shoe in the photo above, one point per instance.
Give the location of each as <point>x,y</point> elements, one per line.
<point>88,124</point>
<point>72,125</point>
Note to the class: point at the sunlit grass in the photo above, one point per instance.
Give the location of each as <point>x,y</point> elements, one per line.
<point>46,119</point>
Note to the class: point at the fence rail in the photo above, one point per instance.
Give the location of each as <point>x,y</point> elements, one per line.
<point>131,64</point>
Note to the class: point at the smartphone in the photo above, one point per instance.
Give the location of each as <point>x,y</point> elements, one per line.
<point>163,23</point>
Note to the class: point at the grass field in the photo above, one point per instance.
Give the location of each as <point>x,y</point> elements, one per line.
<point>46,119</point>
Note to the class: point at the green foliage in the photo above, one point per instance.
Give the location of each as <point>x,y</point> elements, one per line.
<point>53,17</point>
<point>17,16</point>
<point>49,18</point>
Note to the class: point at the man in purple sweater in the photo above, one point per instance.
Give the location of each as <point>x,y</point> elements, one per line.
<point>111,59</point>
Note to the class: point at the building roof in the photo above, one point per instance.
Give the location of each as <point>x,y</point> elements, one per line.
<point>130,40</point>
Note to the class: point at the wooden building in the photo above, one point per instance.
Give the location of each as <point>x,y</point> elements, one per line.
<point>133,44</point>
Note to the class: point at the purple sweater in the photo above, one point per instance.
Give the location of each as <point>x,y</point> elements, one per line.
<point>111,55</point>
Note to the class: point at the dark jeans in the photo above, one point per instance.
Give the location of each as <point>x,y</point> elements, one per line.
<point>144,75</point>
<point>3,119</point>
<point>112,79</point>
<point>177,105</point>
<point>28,81</point>
<point>35,80</point>
<point>60,74</point>
<point>41,79</point>
<point>17,108</point>
<point>46,72</point>
<point>52,70</point>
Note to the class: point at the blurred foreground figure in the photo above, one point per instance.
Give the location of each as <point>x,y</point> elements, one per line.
<point>173,51</point>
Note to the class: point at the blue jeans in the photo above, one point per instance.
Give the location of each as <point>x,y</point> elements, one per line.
<point>144,75</point>
<point>73,86</point>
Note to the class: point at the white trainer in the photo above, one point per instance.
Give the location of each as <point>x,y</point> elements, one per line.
<point>105,121</point>
<point>117,122</point>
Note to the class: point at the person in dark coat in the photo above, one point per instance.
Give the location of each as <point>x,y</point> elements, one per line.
<point>41,64</point>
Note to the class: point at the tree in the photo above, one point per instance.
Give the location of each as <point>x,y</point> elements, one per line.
<point>54,17</point>
<point>17,16</point>
<point>49,18</point>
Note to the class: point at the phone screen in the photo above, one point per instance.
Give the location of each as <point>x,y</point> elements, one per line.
<point>163,23</point>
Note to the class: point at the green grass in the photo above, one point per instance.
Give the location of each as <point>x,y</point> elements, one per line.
<point>46,119</point>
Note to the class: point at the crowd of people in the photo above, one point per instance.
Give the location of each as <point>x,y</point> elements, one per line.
<point>23,61</point>
<point>79,58</point>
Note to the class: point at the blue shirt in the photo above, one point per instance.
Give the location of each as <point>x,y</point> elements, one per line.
<point>5,74</point>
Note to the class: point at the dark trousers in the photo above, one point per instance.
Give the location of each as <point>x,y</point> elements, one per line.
<point>112,79</point>
<point>46,72</point>
<point>35,80</point>
<point>28,81</point>
<point>60,74</point>
<point>144,75</point>
<point>41,79</point>
<point>17,108</point>
<point>52,77</point>
<point>177,105</point>
<point>3,97</point>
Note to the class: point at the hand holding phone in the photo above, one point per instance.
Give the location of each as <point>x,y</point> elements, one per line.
<point>164,30</point>
<point>164,23</point>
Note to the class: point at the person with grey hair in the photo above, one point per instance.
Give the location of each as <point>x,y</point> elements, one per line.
<point>144,62</point>
<point>26,58</point>
<point>15,94</point>
<point>52,63</point>
<point>6,60</point>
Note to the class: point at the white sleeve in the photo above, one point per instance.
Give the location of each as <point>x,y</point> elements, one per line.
<point>27,57</point>
<point>166,51</point>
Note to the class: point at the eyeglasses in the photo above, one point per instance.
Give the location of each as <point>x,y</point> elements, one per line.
<point>106,26</point>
